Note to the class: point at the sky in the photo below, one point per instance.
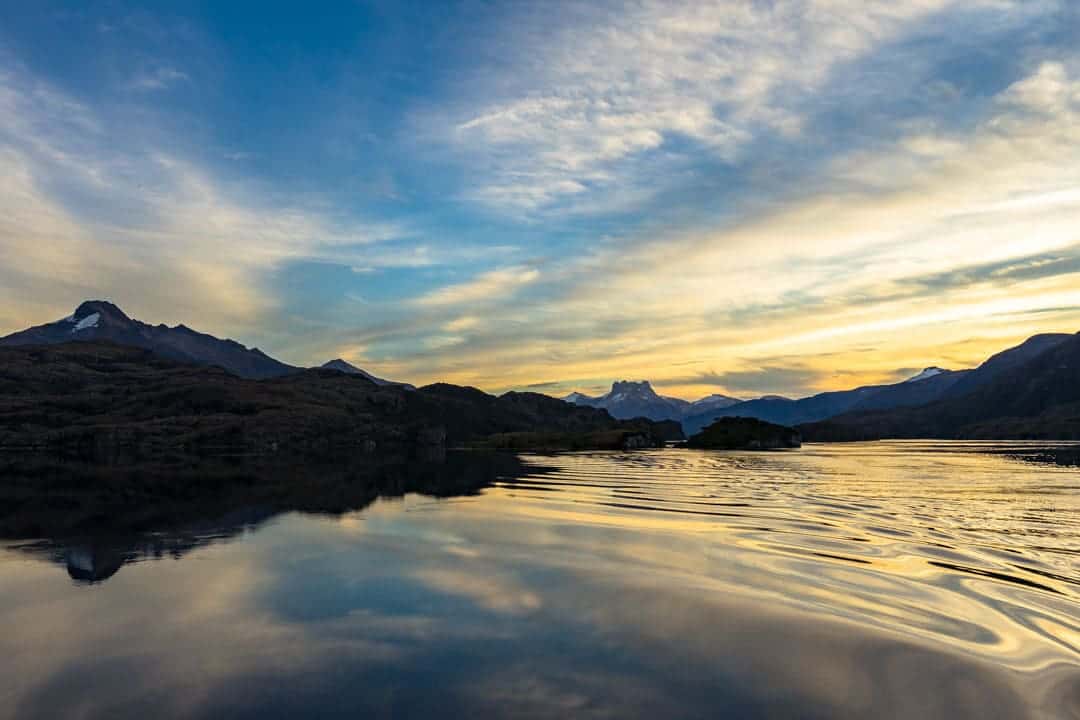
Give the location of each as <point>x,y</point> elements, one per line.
<point>741,197</point>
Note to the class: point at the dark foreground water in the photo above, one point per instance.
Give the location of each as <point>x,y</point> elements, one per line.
<point>873,580</point>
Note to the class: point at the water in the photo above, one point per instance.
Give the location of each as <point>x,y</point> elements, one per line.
<point>880,580</point>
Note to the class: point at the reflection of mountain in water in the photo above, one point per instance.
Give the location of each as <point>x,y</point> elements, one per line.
<point>95,534</point>
<point>89,564</point>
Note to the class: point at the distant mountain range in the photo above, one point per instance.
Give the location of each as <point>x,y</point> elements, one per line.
<point>878,411</point>
<point>638,399</point>
<point>98,320</point>
<point>925,387</point>
<point>628,400</point>
<point>1030,390</point>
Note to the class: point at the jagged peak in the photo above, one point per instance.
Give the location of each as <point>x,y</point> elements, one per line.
<point>102,307</point>
<point>629,385</point>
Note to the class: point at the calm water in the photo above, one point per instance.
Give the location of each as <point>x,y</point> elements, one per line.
<point>873,580</point>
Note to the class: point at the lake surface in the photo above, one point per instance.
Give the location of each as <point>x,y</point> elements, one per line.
<point>881,580</point>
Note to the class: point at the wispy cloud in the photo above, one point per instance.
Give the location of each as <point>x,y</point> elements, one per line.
<point>157,78</point>
<point>941,229</point>
<point>603,102</point>
<point>604,190</point>
<point>496,284</point>
<point>88,213</point>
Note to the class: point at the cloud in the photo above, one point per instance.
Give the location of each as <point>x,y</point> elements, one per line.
<point>794,380</point>
<point>733,183</point>
<point>158,78</point>
<point>500,283</point>
<point>502,594</point>
<point>87,212</point>
<point>942,235</point>
<point>601,103</point>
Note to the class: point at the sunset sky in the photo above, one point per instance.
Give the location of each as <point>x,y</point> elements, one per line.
<point>745,197</point>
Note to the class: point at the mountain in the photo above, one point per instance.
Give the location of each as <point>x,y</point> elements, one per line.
<point>1031,391</point>
<point>97,320</point>
<point>350,369</point>
<point>779,411</point>
<point>925,375</point>
<point>104,401</point>
<point>927,386</point>
<point>1006,360</point>
<point>638,399</point>
<point>633,400</point>
<point>711,402</point>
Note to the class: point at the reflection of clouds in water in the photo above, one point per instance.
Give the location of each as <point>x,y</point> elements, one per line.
<point>825,668</point>
<point>494,592</point>
<point>525,690</point>
<point>553,601</point>
<point>167,636</point>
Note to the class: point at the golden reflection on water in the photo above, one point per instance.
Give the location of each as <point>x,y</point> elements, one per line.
<point>905,580</point>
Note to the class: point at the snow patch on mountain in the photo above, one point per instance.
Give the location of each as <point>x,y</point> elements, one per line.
<point>90,321</point>
<point>925,374</point>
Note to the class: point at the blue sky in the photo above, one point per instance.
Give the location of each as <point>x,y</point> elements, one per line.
<point>740,197</point>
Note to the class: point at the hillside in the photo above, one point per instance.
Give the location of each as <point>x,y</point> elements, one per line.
<point>1031,395</point>
<point>923,388</point>
<point>349,369</point>
<point>106,401</point>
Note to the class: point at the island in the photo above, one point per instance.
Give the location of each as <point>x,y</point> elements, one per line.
<point>743,433</point>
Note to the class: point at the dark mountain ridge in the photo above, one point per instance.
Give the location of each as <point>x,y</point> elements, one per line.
<point>99,400</point>
<point>102,321</point>
<point>1006,360</point>
<point>350,369</point>
<point>1028,392</point>
<point>98,321</point>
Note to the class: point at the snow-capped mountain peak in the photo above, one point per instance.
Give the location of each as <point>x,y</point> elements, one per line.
<point>350,369</point>
<point>716,400</point>
<point>925,374</point>
<point>630,399</point>
<point>102,321</point>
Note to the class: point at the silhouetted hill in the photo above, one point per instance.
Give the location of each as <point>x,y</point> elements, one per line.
<point>102,400</point>
<point>1029,392</point>
<point>1005,361</point>
<point>98,321</point>
<point>350,369</point>
<point>741,433</point>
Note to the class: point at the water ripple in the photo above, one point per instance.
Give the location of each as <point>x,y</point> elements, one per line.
<point>961,545</point>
